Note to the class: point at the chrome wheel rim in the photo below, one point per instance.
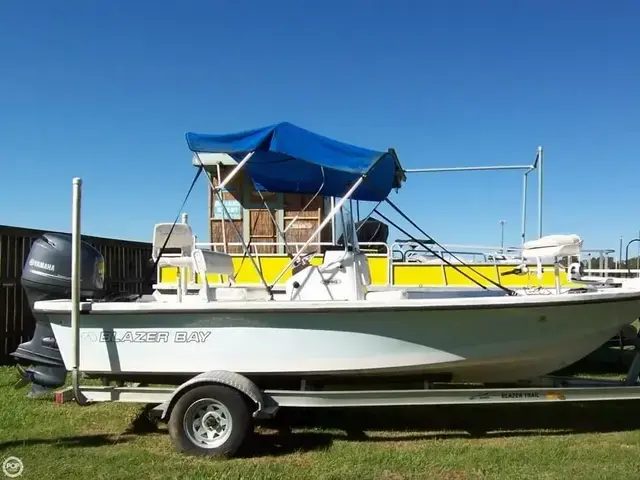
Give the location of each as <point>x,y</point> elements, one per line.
<point>208,423</point>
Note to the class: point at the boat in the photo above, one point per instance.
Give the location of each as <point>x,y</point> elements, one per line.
<point>327,322</point>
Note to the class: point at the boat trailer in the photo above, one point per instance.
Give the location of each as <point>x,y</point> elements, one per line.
<point>213,413</point>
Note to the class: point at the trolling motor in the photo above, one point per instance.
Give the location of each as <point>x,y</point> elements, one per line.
<point>46,275</point>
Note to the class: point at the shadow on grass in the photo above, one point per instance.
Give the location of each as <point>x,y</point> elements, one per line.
<point>141,425</point>
<point>306,430</point>
<point>443,422</point>
<point>286,442</point>
<point>455,421</point>
<point>82,441</point>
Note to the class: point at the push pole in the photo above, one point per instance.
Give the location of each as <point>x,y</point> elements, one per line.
<point>75,288</point>
<point>539,192</point>
<point>502,222</point>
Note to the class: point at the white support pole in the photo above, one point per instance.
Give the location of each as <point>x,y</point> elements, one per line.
<point>354,232</point>
<point>210,207</point>
<point>528,169</point>
<point>556,274</point>
<point>233,172</point>
<point>223,228</point>
<point>356,249</point>
<point>334,239</point>
<point>620,255</point>
<point>467,169</point>
<point>75,286</point>
<point>182,271</point>
<point>524,208</point>
<point>539,192</point>
<point>638,257</point>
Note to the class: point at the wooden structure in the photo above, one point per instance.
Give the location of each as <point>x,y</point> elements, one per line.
<point>248,216</point>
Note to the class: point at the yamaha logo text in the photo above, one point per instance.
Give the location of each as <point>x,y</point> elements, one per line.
<point>44,266</point>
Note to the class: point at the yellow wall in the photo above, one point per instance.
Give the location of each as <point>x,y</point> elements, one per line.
<point>429,275</point>
<point>404,274</point>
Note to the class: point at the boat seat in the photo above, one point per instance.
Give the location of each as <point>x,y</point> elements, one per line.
<point>552,246</point>
<point>187,255</point>
<point>181,239</point>
<point>207,261</point>
<point>202,262</point>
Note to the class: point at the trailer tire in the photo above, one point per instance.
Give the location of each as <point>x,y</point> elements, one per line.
<point>210,420</point>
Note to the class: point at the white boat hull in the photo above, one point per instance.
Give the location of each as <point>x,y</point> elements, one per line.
<point>486,340</point>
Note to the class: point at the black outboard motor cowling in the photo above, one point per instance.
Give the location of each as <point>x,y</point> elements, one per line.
<point>370,230</point>
<point>47,276</point>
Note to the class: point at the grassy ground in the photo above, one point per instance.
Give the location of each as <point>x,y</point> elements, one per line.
<point>542,442</point>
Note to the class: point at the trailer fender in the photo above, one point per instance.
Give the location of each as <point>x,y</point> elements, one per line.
<point>263,408</point>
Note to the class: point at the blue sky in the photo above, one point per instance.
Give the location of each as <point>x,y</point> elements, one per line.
<point>106,91</point>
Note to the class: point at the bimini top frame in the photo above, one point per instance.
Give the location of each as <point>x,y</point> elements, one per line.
<point>285,158</point>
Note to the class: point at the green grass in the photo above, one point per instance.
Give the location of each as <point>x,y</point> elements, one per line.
<point>591,441</point>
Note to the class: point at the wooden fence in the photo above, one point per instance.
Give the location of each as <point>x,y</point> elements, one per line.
<point>126,265</point>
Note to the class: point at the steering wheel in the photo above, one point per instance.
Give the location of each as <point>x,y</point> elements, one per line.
<point>304,259</point>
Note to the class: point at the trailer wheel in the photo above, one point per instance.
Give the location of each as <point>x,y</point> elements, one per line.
<point>211,420</point>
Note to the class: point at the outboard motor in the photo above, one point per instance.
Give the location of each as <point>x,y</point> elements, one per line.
<point>47,276</point>
<point>370,230</point>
